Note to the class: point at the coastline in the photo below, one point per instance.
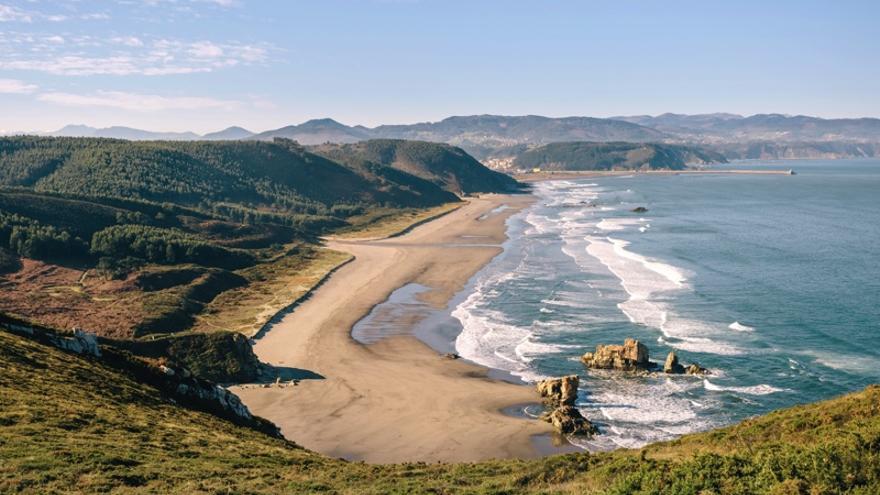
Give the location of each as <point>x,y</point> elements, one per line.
<point>585,174</point>
<point>396,400</point>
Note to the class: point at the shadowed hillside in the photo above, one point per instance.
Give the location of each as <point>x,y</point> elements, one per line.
<point>444,165</point>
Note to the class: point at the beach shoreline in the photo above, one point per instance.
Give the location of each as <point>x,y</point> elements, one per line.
<point>397,399</point>
<point>546,175</point>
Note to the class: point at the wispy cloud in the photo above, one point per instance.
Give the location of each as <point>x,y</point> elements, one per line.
<point>9,13</point>
<point>121,55</point>
<point>14,86</point>
<point>138,102</point>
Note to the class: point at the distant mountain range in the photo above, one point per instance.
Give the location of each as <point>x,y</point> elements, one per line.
<point>725,127</point>
<point>495,136</point>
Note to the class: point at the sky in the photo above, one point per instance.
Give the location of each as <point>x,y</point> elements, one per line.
<point>203,65</point>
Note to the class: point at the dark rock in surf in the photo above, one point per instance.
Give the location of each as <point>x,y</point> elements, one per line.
<point>569,421</point>
<point>696,369</point>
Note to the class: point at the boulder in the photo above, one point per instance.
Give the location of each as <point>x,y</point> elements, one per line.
<point>557,392</point>
<point>696,369</point>
<point>569,421</point>
<point>672,365</point>
<point>639,209</point>
<point>631,356</point>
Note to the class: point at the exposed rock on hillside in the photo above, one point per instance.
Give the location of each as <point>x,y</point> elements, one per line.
<point>631,356</point>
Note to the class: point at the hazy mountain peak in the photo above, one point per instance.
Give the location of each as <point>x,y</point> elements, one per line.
<point>230,133</point>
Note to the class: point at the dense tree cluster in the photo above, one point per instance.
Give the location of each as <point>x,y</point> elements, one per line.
<point>122,203</point>
<point>162,245</point>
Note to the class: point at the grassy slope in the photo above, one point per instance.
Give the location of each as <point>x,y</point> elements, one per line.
<point>68,424</point>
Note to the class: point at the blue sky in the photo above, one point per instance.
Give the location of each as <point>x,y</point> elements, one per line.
<point>204,65</point>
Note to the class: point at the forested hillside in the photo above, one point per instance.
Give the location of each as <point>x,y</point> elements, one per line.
<point>614,156</point>
<point>444,165</point>
<point>128,239</point>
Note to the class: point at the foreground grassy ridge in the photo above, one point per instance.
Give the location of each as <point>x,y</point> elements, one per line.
<point>69,424</point>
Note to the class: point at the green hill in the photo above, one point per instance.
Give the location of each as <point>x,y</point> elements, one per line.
<point>279,175</point>
<point>87,223</point>
<point>614,156</point>
<point>72,424</point>
<point>446,166</point>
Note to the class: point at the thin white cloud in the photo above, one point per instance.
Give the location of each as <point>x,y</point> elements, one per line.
<point>205,49</point>
<point>96,16</point>
<point>131,41</point>
<point>137,102</point>
<point>121,55</point>
<point>14,86</point>
<point>9,13</point>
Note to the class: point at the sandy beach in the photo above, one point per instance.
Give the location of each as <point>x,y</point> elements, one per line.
<point>396,400</point>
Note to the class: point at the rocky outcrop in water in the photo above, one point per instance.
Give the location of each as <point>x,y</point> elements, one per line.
<point>559,391</point>
<point>672,365</point>
<point>639,209</point>
<point>569,421</point>
<point>631,356</point>
<point>696,369</point>
<point>559,395</point>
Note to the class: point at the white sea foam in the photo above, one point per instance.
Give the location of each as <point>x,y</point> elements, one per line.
<point>843,361</point>
<point>488,339</point>
<point>617,224</point>
<point>762,389</point>
<point>638,413</point>
<point>739,327</point>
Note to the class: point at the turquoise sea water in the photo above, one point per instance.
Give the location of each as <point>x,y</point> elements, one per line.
<point>770,281</point>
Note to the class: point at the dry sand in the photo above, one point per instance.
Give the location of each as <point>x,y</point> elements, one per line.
<point>396,400</point>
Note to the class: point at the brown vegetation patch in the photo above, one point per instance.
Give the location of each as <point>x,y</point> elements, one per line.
<point>65,297</point>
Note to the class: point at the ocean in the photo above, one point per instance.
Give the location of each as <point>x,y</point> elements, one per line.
<point>772,282</point>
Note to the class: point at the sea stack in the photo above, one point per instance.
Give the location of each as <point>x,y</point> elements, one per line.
<point>672,365</point>
<point>631,356</point>
<point>559,395</point>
